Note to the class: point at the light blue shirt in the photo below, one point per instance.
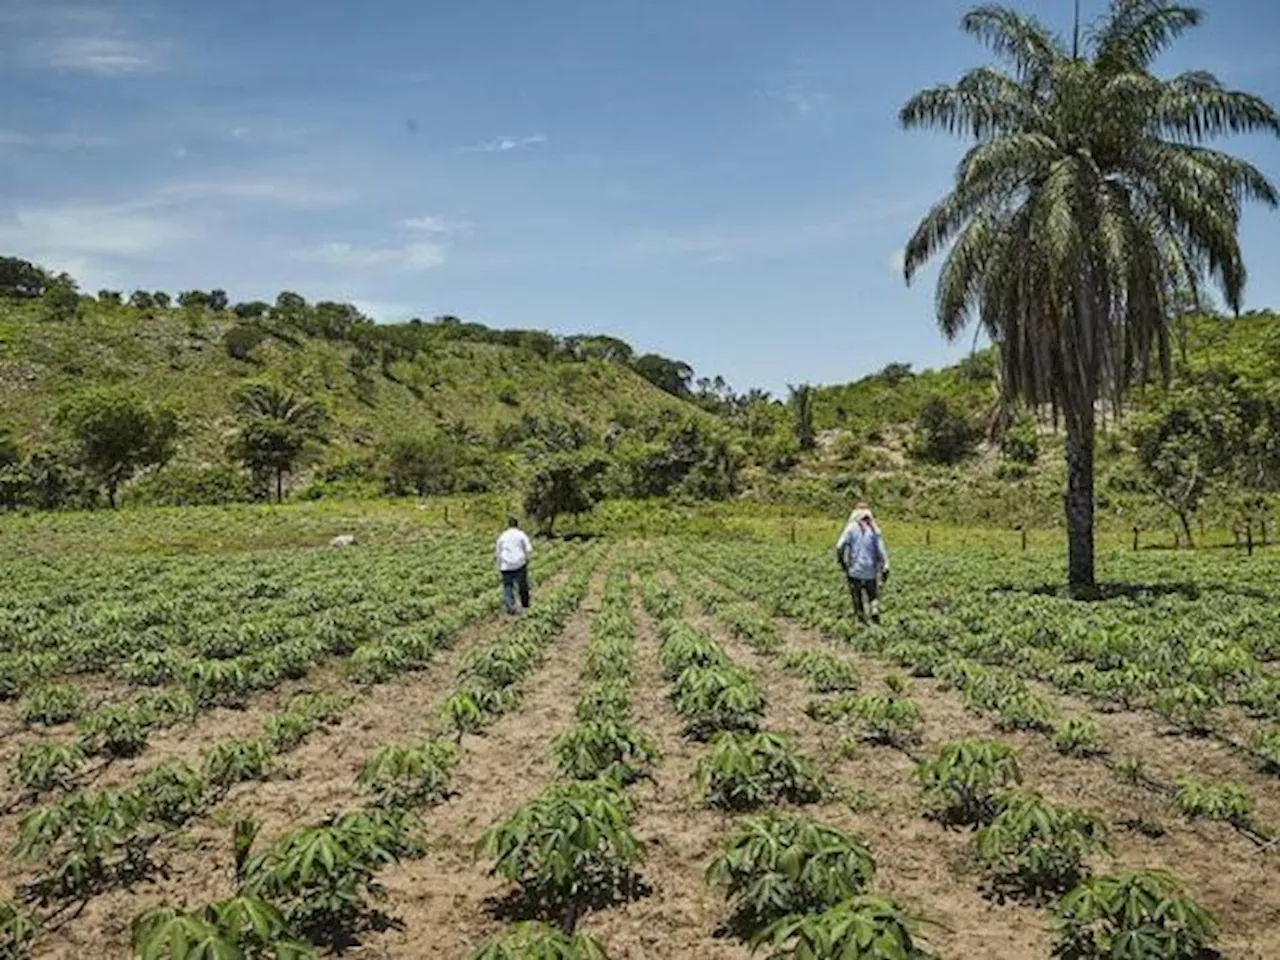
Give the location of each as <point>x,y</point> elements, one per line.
<point>862,552</point>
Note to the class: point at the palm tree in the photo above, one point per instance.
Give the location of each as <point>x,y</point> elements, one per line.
<point>1087,205</point>
<point>276,426</point>
<point>801,403</point>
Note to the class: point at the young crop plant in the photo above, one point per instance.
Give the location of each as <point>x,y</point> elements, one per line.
<point>773,866</point>
<point>747,771</point>
<point>1023,710</point>
<point>1228,802</point>
<point>474,706</point>
<point>116,731</point>
<point>961,783</point>
<point>242,928</point>
<point>605,700</point>
<point>151,668</point>
<point>825,672</point>
<point>683,647</point>
<point>1037,848</point>
<point>88,841</point>
<point>46,765</point>
<point>400,777</point>
<point>1136,915</point>
<point>864,927</point>
<point>539,941</point>
<point>52,703</point>
<point>1189,707</point>
<point>751,626</point>
<point>285,731</point>
<point>1078,737</point>
<point>890,721</point>
<point>174,793</point>
<point>18,931</point>
<point>568,849</point>
<point>218,683</point>
<point>713,699</point>
<point>605,748</point>
<point>1266,747</point>
<point>236,761</point>
<point>322,877</point>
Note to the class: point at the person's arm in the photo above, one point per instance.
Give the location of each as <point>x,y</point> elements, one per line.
<point>497,553</point>
<point>883,552</point>
<point>528,546</point>
<point>842,543</point>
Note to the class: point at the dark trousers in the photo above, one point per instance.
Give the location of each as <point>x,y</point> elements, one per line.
<point>866,594</point>
<point>512,581</point>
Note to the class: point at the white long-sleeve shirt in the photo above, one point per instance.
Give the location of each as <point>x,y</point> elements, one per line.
<point>862,551</point>
<point>512,549</point>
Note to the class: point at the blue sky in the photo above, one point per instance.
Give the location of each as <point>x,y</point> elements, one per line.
<point>722,181</point>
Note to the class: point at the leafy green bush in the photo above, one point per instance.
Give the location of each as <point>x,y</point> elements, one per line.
<point>1137,915</point>
<point>1035,847</point>
<point>1266,747</point>
<point>961,782</point>
<point>1078,737</point>
<point>1228,802</point>
<point>410,776</point>
<point>46,766</point>
<point>242,928</point>
<point>826,672</point>
<point>683,647</point>
<point>538,941</point>
<point>605,700</point>
<point>174,793</point>
<point>746,771</point>
<point>568,847</point>
<point>235,761</point>
<point>1189,707</point>
<point>52,703</point>
<point>116,731</point>
<point>18,931</point>
<point>892,721</point>
<point>861,928</point>
<point>604,748</point>
<point>718,698</point>
<point>773,866</point>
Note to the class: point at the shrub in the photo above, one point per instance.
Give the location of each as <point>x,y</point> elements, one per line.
<point>718,698</point>
<point>961,782</point>
<point>943,434</point>
<point>1035,847</point>
<point>860,928</point>
<point>538,941</point>
<point>52,703</point>
<point>1078,737</point>
<point>604,748</point>
<point>46,766</point>
<point>745,771</point>
<point>410,776</point>
<point>569,847</point>
<point>826,672</point>
<point>17,931</point>
<point>1266,747</point>
<point>1135,915</point>
<point>605,700</point>
<point>116,731</point>
<point>236,761</point>
<point>242,928</point>
<point>773,866</point>
<point>174,793</point>
<point>1189,707</point>
<point>1228,802</point>
<point>887,720</point>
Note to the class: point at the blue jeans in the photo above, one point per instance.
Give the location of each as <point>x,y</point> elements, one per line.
<point>513,580</point>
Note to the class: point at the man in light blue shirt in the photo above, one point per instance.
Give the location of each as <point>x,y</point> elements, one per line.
<point>864,560</point>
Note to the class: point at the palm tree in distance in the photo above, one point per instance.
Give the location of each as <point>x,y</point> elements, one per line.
<point>1087,206</point>
<point>801,403</point>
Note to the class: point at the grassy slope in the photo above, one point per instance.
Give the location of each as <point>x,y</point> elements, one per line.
<point>169,358</point>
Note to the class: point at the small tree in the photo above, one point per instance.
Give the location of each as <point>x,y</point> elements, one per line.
<point>425,465</point>
<point>276,428</point>
<point>564,483</point>
<point>117,433</point>
<point>62,299</point>
<point>801,403</point>
<point>21,280</point>
<point>943,434</point>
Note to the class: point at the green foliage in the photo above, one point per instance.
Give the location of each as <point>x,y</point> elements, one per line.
<point>401,777</point>
<point>800,399</point>
<point>1078,737</point>
<point>1020,443</point>
<point>893,721</point>
<point>538,941</point>
<point>46,765</point>
<point>1035,847</point>
<point>1227,801</point>
<point>1266,747</point>
<point>242,928</point>
<point>322,877</point>
<point>276,428</point>
<point>747,771</point>
<point>943,434</point>
<point>569,846</point>
<point>960,783</point>
<point>826,672</point>
<point>427,465</point>
<point>117,432</point>
<point>864,927</point>
<point>52,704</point>
<point>235,761</point>
<point>605,748</point>
<point>1134,915</point>
<point>773,866</point>
<point>18,931</point>
<point>718,698</point>
<point>174,793</point>
<point>117,731</point>
<point>564,483</point>
<point>1189,706</point>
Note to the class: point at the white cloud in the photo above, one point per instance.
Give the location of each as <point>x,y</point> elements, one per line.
<point>408,257</point>
<point>433,225</point>
<point>287,193</point>
<point>105,55</point>
<point>62,36</point>
<point>505,144</point>
<point>69,231</point>
<point>53,141</point>
<point>897,261</point>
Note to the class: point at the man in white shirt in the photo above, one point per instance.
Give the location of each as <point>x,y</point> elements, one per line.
<point>512,554</point>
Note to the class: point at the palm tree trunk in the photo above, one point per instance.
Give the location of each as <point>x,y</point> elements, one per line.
<point>279,485</point>
<point>1079,501</point>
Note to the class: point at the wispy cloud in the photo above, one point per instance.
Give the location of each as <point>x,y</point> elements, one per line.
<point>286,193</point>
<point>898,261</point>
<point>14,139</point>
<point>425,246</point>
<point>83,39</point>
<point>506,144</point>
<point>60,232</point>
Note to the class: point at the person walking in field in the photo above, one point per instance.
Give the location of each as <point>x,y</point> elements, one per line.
<point>512,553</point>
<point>864,560</point>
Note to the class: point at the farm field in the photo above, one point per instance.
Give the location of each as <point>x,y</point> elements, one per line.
<point>686,747</point>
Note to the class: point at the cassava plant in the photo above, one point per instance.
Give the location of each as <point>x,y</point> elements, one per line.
<point>713,699</point>
<point>410,776</point>
<point>242,928</point>
<point>1037,848</point>
<point>745,771</point>
<point>52,703</point>
<point>1078,737</point>
<point>46,766</point>
<point>538,941</point>
<point>773,866</point>
<point>18,931</point>
<point>863,927</point>
<point>605,748</point>
<point>1137,915</point>
<point>1228,801</point>
<point>961,783</point>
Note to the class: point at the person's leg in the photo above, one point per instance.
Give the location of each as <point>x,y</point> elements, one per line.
<point>855,591</point>
<point>522,579</point>
<point>872,587</point>
<point>508,591</point>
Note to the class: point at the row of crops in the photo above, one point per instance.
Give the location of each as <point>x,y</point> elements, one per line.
<point>95,665</point>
